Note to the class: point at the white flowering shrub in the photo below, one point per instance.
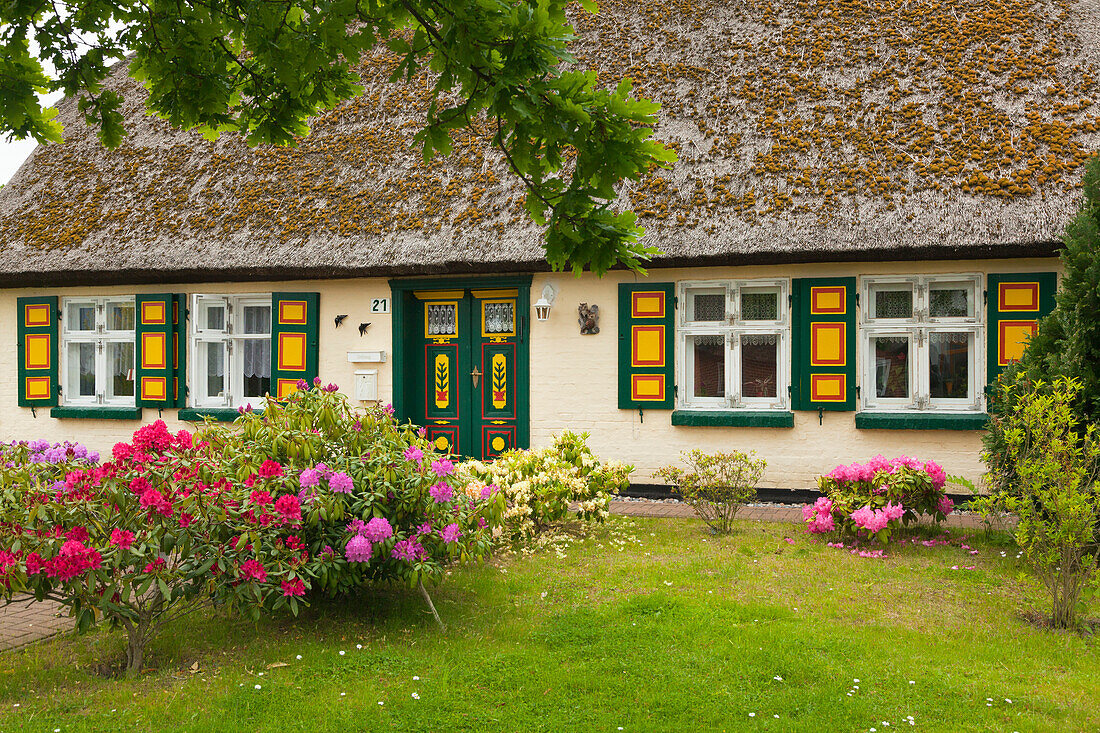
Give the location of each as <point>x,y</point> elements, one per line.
<point>540,485</point>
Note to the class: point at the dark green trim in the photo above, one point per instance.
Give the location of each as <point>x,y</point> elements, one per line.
<point>909,421</point>
<point>51,330</point>
<point>220,414</point>
<point>97,413</point>
<point>802,370</point>
<point>312,330</point>
<point>1048,286</point>
<point>141,373</point>
<point>734,418</point>
<point>627,322</point>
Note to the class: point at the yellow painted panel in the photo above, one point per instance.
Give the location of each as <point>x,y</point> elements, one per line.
<point>827,344</point>
<point>292,311</point>
<point>36,315</point>
<point>648,346</point>
<point>1014,338</point>
<point>38,388</point>
<point>292,352</point>
<point>154,351</point>
<point>37,351</point>
<point>153,312</point>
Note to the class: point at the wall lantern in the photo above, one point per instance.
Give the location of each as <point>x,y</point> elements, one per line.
<point>542,305</point>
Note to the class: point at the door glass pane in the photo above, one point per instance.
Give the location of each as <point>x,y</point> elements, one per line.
<point>257,366</point>
<point>257,319</point>
<point>709,358</point>
<point>759,365</point>
<point>120,316</point>
<point>81,317</point>
<point>499,317</point>
<point>949,365</point>
<point>442,319</point>
<point>709,306</point>
<point>891,366</point>
<point>950,302</point>
<point>893,303</point>
<point>759,305</point>
<point>215,368</point>
<point>80,370</point>
<point>120,368</point>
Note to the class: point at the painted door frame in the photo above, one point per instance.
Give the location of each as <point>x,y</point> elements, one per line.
<point>401,291</point>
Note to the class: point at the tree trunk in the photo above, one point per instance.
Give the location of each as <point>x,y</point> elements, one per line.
<point>136,636</point>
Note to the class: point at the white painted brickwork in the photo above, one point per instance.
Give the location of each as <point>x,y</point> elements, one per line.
<point>573,377</point>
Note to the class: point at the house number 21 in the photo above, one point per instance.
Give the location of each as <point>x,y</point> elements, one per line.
<point>379,305</point>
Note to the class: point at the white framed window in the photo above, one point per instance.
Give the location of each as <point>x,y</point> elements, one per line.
<point>231,350</point>
<point>921,341</point>
<point>97,351</point>
<point>734,344</point>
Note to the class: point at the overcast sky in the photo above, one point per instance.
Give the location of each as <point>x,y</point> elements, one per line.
<point>12,156</point>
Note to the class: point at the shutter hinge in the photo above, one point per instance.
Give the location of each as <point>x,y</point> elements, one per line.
<point>857,298</point>
<point>985,297</point>
<point>790,301</point>
<point>675,302</point>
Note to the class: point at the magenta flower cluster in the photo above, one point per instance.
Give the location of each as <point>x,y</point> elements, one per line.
<point>866,472</point>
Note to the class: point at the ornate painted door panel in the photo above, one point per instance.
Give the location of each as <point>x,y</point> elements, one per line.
<point>467,363</point>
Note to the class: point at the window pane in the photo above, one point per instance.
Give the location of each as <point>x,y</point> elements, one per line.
<point>257,319</point>
<point>120,316</point>
<point>215,369</point>
<point>442,319</point>
<point>949,365</point>
<point>81,317</point>
<point>710,366</point>
<point>257,366</point>
<point>949,302</point>
<point>213,318</point>
<point>893,303</point>
<point>759,365</point>
<point>707,306</point>
<point>120,367</point>
<point>891,366</point>
<point>80,368</point>
<point>759,306</point>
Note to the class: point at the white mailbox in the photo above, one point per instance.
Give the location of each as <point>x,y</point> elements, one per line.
<point>368,357</point>
<point>366,385</point>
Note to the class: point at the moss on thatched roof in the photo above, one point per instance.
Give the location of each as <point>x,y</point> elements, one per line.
<point>806,129</point>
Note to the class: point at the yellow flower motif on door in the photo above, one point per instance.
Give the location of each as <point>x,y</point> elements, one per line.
<point>442,381</point>
<point>500,382</point>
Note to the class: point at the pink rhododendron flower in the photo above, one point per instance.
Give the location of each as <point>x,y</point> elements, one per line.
<point>270,469</point>
<point>450,533</point>
<point>356,526</point>
<point>260,498</point>
<point>122,538</point>
<point>288,508</point>
<point>253,570</point>
<point>185,520</point>
<point>946,506</point>
<point>340,482</point>
<point>121,451</point>
<point>442,468</point>
<point>410,550</point>
<point>893,511</point>
<point>80,534</point>
<point>309,477</point>
<point>155,565</point>
<point>488,490</point>
<point>378,529</point>
<point>482,523</point>
<point>155,501</point>
<point>293,588</point>
<point>412,453</point>
<point>359,549</point>
<point>441,492</point>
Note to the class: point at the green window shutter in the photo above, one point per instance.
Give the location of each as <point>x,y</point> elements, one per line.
<point>1015,303</point>
<point>646,346</point>
<point>295,328</point>
<point>153,350</point>
<point>37,358</point>
<point>823,343</point>
<point>179,349</point>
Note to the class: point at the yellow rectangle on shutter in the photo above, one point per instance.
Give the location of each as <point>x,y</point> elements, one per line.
<point>37,351</point>
<point>292,352</point>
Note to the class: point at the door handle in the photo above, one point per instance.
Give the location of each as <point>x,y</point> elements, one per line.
<point>476,375</point>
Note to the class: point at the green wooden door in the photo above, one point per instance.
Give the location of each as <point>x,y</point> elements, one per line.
<point>469,371</point>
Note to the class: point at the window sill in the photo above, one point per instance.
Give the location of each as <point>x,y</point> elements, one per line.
<point>218,414</point>
<point>95,412</point>
<point>918,421</point>
<point>734,418</point>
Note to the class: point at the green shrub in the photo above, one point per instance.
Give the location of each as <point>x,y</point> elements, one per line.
<point>716,484</point>
<point>540,485</point>
<point>1045,471</point>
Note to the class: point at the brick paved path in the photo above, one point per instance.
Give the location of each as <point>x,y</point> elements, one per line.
<point>754,513</point>
<point>21,623</point>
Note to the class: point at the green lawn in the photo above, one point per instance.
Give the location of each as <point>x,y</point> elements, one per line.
<point>645,625</point>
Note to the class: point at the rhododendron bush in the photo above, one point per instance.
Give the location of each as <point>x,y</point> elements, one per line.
<point>146,537</point>
<point>376,501</point>
<point>540,485</point>
<point>874,499</point>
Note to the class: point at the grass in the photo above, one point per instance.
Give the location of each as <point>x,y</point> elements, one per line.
<point>650,625</point>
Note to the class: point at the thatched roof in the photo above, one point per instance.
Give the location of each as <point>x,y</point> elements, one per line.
<point>807,130</point>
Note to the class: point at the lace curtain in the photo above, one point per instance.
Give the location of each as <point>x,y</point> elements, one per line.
<point>257,357</point>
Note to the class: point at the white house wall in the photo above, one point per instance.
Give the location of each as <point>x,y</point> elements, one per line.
<point>573,378</point>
